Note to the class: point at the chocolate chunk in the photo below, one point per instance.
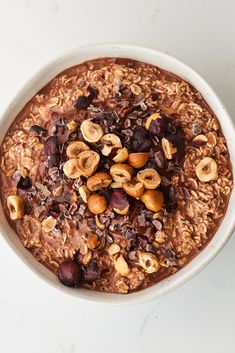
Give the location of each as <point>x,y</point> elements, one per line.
<point>140,140</point>
<point>154,96</point>
<point>69,273</point>
<point>51,146</point>
<point>83,102</point>
<point>92,272</point>
<point>24,183</point>
<point>40,131</point>
<point>53,160</point>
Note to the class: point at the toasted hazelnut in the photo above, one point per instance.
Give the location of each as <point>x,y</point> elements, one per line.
<point>153,200</point>
<point>148,261</point>
<point>168,148</point>
<point>48,224</point>
<point>119,202</point>
<point>121,172</point>
<point>206,170</point>
<point>93,241</point>
<point>15,205</point>
<point>149,177</point>
<point>72,125</point>
<point>91,132</point>
<point>135,89</point>
<point>73,197</point>
<point>200,138</point>
<point>71,169</point>
<point>110,141</point>
<point>87,162</point>
<point>134,188</point>
<point>99,181</point>
<point>96,203</point>
<point>76,147</point>
<point>99,224</point>
<point>121,266</point>
<point>116,185</point>
<point>138,160</point>
<point>121,156</point>
<point>113,249</point>
<point>57,192</point>
<point>84,193</point>
<point>150,119</point>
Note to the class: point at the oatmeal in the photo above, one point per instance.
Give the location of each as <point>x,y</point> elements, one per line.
<point>115,175</point>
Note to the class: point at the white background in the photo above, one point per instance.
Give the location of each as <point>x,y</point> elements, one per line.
<point>198,317</point>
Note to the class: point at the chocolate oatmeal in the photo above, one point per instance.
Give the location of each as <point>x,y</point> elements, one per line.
<point>115,175</point>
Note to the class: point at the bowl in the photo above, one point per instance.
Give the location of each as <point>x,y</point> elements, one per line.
<point>164,61</point>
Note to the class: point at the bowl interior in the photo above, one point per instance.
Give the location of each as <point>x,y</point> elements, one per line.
<point>164,61</point>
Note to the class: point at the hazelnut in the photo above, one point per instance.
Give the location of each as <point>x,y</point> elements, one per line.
<point>119,203</point>
<point>90,131</point>
<point>153,200</point>
<point>121,172</point>
<point>135,89</point>
<point>84,193</point>
<point>149,177</point>
<point>15,205</point>
<point>93,241</point>
<point>151,118</point>
<point>73,196</point>
<point>96,203</point>
<point>168,148</point>
<point>206,170</point>
<point>99,224</point>
<point>72,126</point>
<point>110,141</point>
<point>57,192</point>
<point>138,160</point>
<point>99,181</point>
<point>121,266</point>
<point>148,262</point>
<point>87,162</point>
<point>116,185</point>
<point>69,273</point>
<point>113,249</point>
<point>76,147</point>
<point>71,170</point>
<point>121,156</point>
<point>48,224</point>
<point>134,188</point>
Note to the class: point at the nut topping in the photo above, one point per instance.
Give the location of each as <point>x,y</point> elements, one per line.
<point>121,266</point>
<point>149,177</point>
<point>99,181</point>
<point>93,241</point>
<point>69,273</point>
<point>110,141</point>
<point>138,160</point>
<point>15,205</point>
<point>71,169</point>
<point>96,203</point>
<point>168,148</point>
<point>153,200</point>
<point>119,202</point>
<point>84,193</point>
<point>206,170</point>
<point>148,261</point>
<point>114,249</point>
<point>76,147</point>
<point>121,156</point>
<point>48,224</point>
<point>121,172</point>
<point>91,132</point>
<point>134,188</point>
<point>87,162</point>
<point>72,126</point>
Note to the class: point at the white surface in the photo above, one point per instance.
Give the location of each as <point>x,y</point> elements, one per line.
<point>198,317</point>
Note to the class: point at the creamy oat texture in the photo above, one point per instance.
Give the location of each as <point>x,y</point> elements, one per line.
<point>114,237</point>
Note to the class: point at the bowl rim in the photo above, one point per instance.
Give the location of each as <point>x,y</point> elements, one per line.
<point>205,256</point>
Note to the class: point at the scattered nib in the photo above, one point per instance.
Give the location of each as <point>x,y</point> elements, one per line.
<point>43,189</point>
<point>77,183</point>
<point>185,193</point>
<point>165,181</point>
<point>69,273</point>
<point>169,197</point>
<point>92,272</point>
<point>82,209</point>
<point>83,102</point>
<point>139,122</point>
<point>169,254</point>
<point>73,208</point>
<point>154,96</point>
<point>127,123</point>
<point>132,255</point>
<point>40,131</point>
<point>157,224</point>
<point>177,142</point>
<point>151,248</point>
<point>196,129</point>
<point>53,160</point>
<point>24,183</point>
<point>51,146</point>
<point>141,220</point>
<point>141,242</point>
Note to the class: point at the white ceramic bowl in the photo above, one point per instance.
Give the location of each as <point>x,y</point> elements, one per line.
<point>164,61</point>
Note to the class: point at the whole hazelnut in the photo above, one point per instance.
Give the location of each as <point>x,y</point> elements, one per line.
<point>153,200</point>
<point>97,203</point>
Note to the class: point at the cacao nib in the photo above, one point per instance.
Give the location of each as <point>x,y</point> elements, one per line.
<point>69,273</point>
<point>141,242</point>
<point>53,160</point>
<point>92,272</point>
<point>83,102</point>
<point>24,183</point>
<point>51,146</point>
<point>169,198</point>
<point>151,248</point>
<point>168,253</point>
<point>196,129</point>
<point>40,131</point>
<point>154,96</point>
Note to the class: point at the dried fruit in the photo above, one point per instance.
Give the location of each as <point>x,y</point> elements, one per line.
<point>87,162</point>
<point>148,262</point>
<point>97,203</point>
<point>114,249</point>
<point>99,181</point>
<point>140,140</point>
<point>119,202</point>
<point>121,156</point>
<point>40,131</point>
<point>121,172</point>
<point>71,169</point>
<point>206,170</point>
<point>168,148</point>
<point>76,147</point>
<point>51,146</point>
<point>93,241</point>
<point>84,193</point>
<point>109,142</point>
<point>24,183</point>
<point>91,132</point>
<point>69,273</point>
<point>83,102</point>
<point>72,125</point>
<point>149,177</point>
<point>48,224</point>
<point>134,188</point>
<point>121,265</point>
<point>153,200</point>
<point>138,160</point>
<point>15,205</point>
